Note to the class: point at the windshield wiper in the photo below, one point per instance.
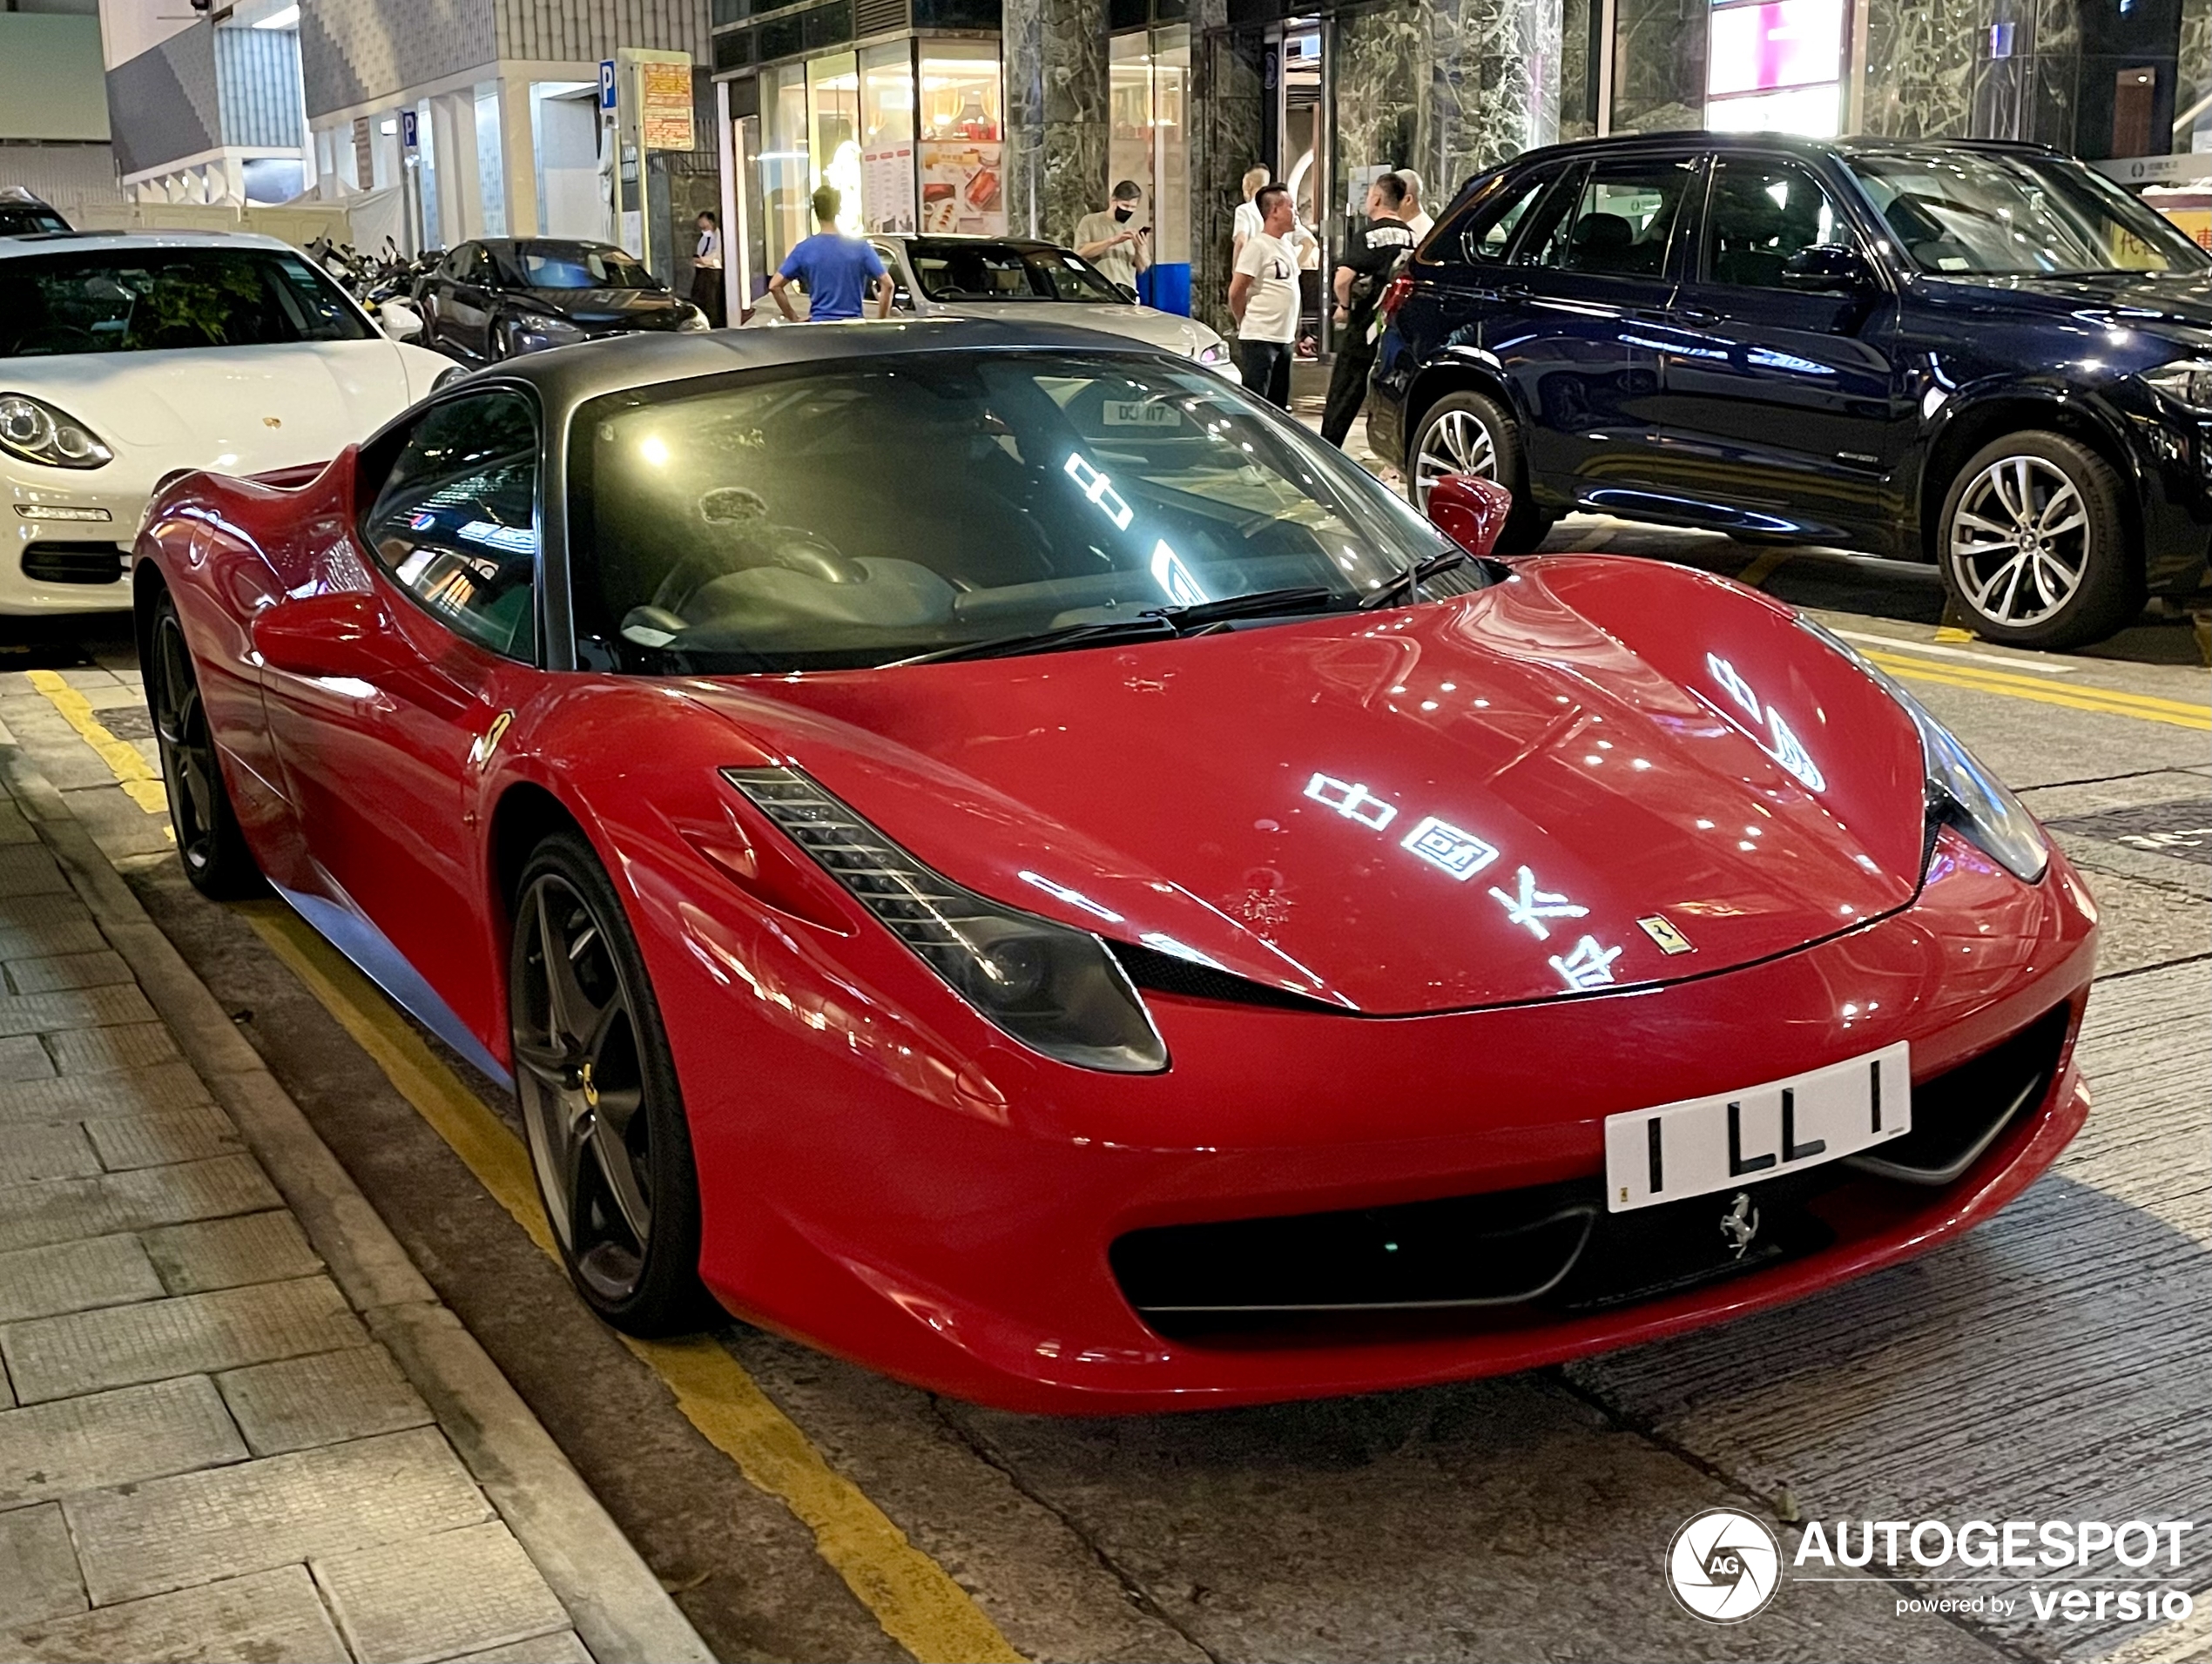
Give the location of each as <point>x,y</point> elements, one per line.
<point>1152,622</point>
<point>1305,598</point>
<point>1145,626</point>
<point>1406,583</point>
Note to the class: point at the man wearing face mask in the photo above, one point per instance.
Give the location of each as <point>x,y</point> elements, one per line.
<point>1113,241</point>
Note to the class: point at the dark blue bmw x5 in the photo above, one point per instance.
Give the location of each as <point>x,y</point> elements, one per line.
<point>1980,355</point>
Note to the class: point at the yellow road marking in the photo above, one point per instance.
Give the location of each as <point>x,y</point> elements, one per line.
<point>1762,566</point>
<point>2106,702</point>
<point>140,784</point>
<point>1953,633</point>
<point>916,1601</point>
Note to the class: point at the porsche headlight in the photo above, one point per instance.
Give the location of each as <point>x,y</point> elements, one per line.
<point>1960,791</point>
<point>695,320</point>
<point>38,433</point>
<point>1057,990</point>
<point>1215,352</point>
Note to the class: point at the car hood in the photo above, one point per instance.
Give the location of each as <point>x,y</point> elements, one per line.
<point>634,308</point>
<point>1184,336</point>
<point>1461,804</point>
<point>234,409</point>
<point>2132,297</point>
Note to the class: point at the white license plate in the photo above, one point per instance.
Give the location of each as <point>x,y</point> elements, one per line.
<point>1733,1139</point>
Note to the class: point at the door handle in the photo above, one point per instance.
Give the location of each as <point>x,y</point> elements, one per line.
<point>1696,317</point>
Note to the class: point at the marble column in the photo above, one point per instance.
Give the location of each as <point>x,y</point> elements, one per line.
<point>1226,86</point>
<point>1492,86</point>
<point>1055,114</point>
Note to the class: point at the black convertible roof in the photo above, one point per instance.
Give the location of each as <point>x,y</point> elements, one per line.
<point>568,376</point>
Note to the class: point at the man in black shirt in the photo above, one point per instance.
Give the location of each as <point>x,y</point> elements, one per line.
<point>1359,279</point>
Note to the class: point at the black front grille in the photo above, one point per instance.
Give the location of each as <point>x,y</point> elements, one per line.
<point>1512,1257</point>
<point>72,562</point>
<point>1958,1114</point>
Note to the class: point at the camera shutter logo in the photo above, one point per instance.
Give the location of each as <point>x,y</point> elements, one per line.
<point>1724,1566</point>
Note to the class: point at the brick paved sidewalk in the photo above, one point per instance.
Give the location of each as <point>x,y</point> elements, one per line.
<point>207,1449</point>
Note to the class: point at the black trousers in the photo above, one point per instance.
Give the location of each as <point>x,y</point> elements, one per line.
<point>1265,366</point>
<point>707,292</point>
<point>1347,388</point>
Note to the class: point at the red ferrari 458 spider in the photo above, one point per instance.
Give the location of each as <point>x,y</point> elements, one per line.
<point>1001,856</point>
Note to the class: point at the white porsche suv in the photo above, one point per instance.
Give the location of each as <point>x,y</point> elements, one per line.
<point>127,358</point>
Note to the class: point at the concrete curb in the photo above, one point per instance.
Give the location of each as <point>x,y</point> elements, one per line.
<point>618,1605</point>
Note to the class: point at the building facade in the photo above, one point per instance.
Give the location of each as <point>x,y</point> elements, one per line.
<point>205,108</point>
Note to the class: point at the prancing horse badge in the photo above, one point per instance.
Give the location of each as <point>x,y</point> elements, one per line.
<point>1662,930</point>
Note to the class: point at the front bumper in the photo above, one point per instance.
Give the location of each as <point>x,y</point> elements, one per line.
<point>945,1210</point>
<point>74,565</point>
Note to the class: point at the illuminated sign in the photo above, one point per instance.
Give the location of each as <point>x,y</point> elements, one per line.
<point>1780,741</point>
<point>1440,844</point>
<point>1174,577</point>
<point>1588,966</point>
<point>1352,801</point>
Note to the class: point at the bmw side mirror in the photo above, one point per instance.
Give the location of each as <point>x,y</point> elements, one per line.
<point>1470,511</point>
<point>1829,267</point>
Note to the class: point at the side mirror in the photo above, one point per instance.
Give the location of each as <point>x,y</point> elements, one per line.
<point>1831,266</point>
<point>341,635</point>
<point>1127,293</point>
<point>1470,511</point>
<point>399,319</point>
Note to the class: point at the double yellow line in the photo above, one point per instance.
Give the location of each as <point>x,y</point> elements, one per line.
<point>140,783</point>
<point>2142,707</point>
<point>913,1598</point>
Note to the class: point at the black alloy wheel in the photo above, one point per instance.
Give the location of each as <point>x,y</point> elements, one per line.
<point>1472,433</point>
<point>605,1121</point>
<point>2033,546</point>
<point>208,839</point>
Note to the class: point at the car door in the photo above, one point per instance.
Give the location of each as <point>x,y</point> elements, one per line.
<point>1781,387</point>
<point>377,763</point>
<point>902,287</point>
<point>469,302</point>
<point>1572,323</point>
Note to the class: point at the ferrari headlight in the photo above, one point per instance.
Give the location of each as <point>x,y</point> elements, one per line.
<point>38,433</point>
<point>2186,382</point>
<point>1960,791</point>
<point>1057,990</point>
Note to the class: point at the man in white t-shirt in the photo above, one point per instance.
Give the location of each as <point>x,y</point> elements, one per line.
<point>1414,215</point>
<point>1263,298</point>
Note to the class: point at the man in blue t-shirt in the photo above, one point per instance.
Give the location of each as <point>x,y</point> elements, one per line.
<point>835,269</point>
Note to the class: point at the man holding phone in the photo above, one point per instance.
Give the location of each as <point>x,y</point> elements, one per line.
<point>1112,241</point>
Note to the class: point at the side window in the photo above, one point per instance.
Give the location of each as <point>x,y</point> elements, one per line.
<point>478,270</point>
<point>1489,227</point>
<point>456,269</point>
<point>1762,214</point>
<point>456,524</point>
<point>1623,222</point>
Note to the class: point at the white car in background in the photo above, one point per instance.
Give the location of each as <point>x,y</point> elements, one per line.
<point>1013,278</point>
<point>124,359</point>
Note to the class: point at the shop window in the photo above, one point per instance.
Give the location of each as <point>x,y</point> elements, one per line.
<point>834,106</point>
<point>887,178</point>
<point>1148,142</point>
<point>786,177</point>
<point>1775,66</point>
<point>963,166</point>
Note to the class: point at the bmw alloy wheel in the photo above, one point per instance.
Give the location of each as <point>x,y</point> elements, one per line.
<point>1457,443</point>
<point>580,1075</point>
<point>2019,541</point>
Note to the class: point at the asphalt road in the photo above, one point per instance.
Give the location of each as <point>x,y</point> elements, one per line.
<point>2056,1364</point>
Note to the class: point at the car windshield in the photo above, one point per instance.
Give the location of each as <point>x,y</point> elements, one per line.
<point>17,220</point>
<point>156,299</point>
<point>855,512</point>
<point>962,269</point>
<point>1982,212</point>
<point>580,266</point>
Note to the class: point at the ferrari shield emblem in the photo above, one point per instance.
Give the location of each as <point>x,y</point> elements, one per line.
<point>1662,930</point>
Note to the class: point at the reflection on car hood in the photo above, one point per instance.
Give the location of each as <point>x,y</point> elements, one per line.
<point>1185,336</point>
<point>235,410</point>
<point>1460,804</point>
<point>2184,298</point>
